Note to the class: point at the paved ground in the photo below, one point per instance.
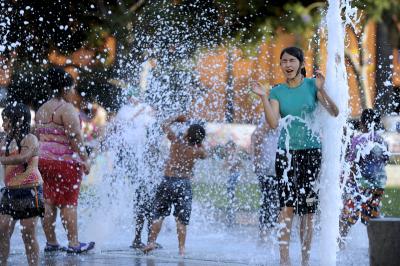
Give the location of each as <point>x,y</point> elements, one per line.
<point>119,257</point>
<point>206,246</point>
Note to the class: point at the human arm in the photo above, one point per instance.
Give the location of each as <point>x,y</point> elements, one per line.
<point>200,152</point>
<point>323,97</point>
<point>166,126</point>
<point>72,126</point>
<point>271,107</point>
<point>29,149</point>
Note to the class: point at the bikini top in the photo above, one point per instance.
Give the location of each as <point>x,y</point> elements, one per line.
<point>58,131</point>
<point>22,174</point>
<point>54,142</point>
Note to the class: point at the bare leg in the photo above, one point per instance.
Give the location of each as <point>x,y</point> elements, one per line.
<point>6,228</point>
<point>285,224</point>
<point>181,231</point>
<point>31,244</point>
<point>69,218</point>
<point>139,227</point>
<point>306,234</point>
<point>149,223</point>
<point>49,223</point>
<point>155,230</point>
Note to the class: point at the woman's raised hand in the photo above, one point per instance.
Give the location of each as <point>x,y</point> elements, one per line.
<point>260,90</point>
<point>319,79</point>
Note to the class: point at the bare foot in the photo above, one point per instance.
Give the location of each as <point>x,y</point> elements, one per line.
<point>182,251</point>
<point>285,260</point>
<point>149,247</point>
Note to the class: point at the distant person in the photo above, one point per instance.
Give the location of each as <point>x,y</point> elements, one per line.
<point>144,164</point>
<point>368,155</point>
<point>63,160</point>
<point>22,197</point>
<point>232,164</point>
<point>176,188</point>
<point>264,142</point>
<point>298,158</point>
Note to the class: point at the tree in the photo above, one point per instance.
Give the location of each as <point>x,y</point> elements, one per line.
<point>385,14</point>
<point>34,30</point>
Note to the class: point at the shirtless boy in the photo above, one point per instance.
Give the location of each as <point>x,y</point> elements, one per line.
<point>175,188</point>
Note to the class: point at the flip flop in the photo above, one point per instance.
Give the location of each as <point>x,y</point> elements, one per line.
<point>82,248</point>
<point>54,248</point>
<point>138,245</point>
<point>158,246</point>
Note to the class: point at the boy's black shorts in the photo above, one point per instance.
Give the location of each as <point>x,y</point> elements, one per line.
<point>297,184</point>
<point>177,192</point>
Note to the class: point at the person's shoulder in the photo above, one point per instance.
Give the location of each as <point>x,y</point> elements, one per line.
<point>31,139</point>
<point>43,108</point>
<point>277,86</point>
<point>310,85</point>
<point>69,110</point>
<point>360,139</point>
<point>276,89</point>
<point>68,106</point>
<point>310,82</point>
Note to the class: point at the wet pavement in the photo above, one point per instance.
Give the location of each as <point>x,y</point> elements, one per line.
<point>118,257</point>
<point>205,247</point>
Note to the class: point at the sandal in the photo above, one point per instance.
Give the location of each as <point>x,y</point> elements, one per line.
<point>137,245</point>
<point>82,248</point>
<point>158,246</point>
<point>54,248</point>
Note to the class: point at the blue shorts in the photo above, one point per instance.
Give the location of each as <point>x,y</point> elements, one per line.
<point>177,192</point>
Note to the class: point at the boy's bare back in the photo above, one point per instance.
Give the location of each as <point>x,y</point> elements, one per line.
<point>182,155</point>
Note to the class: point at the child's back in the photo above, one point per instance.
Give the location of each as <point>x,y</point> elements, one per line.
<point>182,155</point>
<point>175,189</point>
<point>370,155</point>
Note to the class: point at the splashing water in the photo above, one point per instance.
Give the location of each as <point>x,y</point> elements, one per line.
<point>111,201</point>
<point>333,148</point>
<point>106,207</point>
<point>111,198</point>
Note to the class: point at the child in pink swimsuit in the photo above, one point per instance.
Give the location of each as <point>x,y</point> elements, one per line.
<point>22,197</point>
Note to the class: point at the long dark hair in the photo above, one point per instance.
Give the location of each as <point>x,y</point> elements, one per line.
<point>58,80</point>
<point>299,54</point>
<point>19,116</point>
<point>370,119</point>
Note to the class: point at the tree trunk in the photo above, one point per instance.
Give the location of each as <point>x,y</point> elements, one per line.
<point>383,75</point>
<point>230,93</point>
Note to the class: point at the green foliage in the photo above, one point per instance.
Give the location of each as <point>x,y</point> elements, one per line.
<point>248,196</point>
<point>302,19</point>
<point>252,22</point>
<point>375,9</point>
<point>391,202</point>
<point>158,25</point>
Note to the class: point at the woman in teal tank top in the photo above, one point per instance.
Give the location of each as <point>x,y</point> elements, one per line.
<point>290,105</point>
